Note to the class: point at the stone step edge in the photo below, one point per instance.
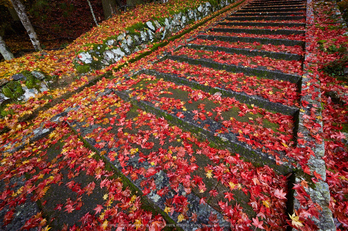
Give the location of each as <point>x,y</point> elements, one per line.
<point>262,24</point>
<point>259,31</point>
<point>268,14</point>
<point>276,2</point>
<point>222,140</point>
<point>133,187</point>
<point>252,10</point>
<point>286,42</point>
<point>240,96</point>
<point>170,218</point>
<point>248,52</point>
<point>264,17</point>
<point>280,8</point>
<point>268,74</point>
<point>320,193</point>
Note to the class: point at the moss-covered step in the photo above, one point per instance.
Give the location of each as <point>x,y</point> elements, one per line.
<point>122,127</point>
<point>265,18</point>
<point>204,115</point>
<point>285,42</point>
<point>154,152</point>
<point>260,72</point>
<point>70,185</point>
<point>258,31</point>
<point>249,52</point>
<point>262,24</point>
<point>240,96</point>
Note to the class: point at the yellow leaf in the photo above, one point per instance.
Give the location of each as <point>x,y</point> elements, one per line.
<point>105,197</point>
<point>137,223</point>
<point>167,209</point>
<point>295,220</point>
<point>266,203</point>
<point>105,224</point>
<point>209,174</point>
<point>181,218</point>
<point>134,197</point>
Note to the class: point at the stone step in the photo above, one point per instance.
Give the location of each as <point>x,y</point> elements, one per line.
<point>228,140</point>
<point>275,7</point>
<point>265,18</point>
<point>261,9</point>
<point>268,14</point>
<point>276,3</point>
<point>260,72</point>
<point>240,96</point>
<point>255,24</point>
<point>96,134</point>
<point>248,52</point>
<point>259,31</point>
<point>286,42</point>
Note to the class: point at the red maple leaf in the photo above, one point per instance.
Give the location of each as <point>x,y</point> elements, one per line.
<point>98,209</point>
<point>258,223</point>
<point>229,196</point>
<point>280,194</point>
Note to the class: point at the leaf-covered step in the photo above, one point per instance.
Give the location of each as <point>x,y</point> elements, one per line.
<point>262,24</point>
<point>276,3</point>
<point>173,168</point>
<point>71,187</point>
<point>282,92</point>
<point>270,9</point>
<point>271,37</point>
<point>269,14</point>
<point>285,42</point>
<point>268,74</point>
<point>265,18</point>
<point>259,98</point>
<point>226,29</point>
<point>216,114</point>
<point>248,52</point>
<point>291,67</point>
<point>226,24</point>
<point>290,50</point>
<point>140,146</point>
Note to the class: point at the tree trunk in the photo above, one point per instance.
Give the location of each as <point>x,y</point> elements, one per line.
<point>132,3</point>
<point>109,7</point>
<point>13,13</point>
<point>19,7</point>
<point>7,54</point>
<point>92,12</point>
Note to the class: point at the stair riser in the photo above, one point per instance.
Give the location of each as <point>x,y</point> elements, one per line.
<point>240,96</point>
<point>251,40</point>
<point>269,14</point>
<point>251,10</point>
<point>261,24</point>
<point>268,74</point>
<point>259,31</point>
<point>262,17</point>
<point>274,55</point>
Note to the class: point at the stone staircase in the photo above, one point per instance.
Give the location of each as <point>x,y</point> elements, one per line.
<point>205,132</point>
<point>236,87</point>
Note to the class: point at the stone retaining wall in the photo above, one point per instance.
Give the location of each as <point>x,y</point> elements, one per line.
<point>115,48</point>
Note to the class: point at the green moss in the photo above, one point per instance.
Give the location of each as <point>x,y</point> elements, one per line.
<point>13,90</point>
<point>83,68</point>
<point>344,128</point>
